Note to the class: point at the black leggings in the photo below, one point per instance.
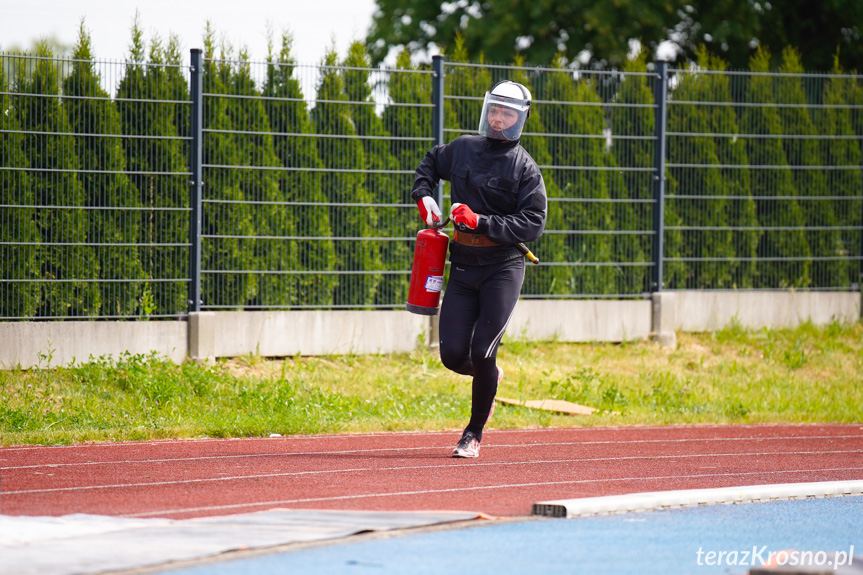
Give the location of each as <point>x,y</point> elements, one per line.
<point>476,308</point>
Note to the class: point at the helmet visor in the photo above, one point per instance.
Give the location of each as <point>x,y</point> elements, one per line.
<point>503,118</point>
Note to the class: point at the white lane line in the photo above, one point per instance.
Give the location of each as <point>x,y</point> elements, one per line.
<point>431,447</point>
<point>418,467</point>
<point>473,488</point>
<point>354,436</point>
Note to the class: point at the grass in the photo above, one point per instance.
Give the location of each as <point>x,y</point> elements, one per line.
<point>808,374</point>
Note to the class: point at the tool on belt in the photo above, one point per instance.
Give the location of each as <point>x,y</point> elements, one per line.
<point>481,241</point>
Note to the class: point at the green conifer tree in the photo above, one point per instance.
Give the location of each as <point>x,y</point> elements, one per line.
<point>65,260</point>
<point>18,299</point>
<point>550,277</point>
<point>178,87</point>
<point>633,126</point>
<point>353,221</point>
<point>135,117</point>
<point>274,251</point>
<point>839,149</point>
<point>780,215</point>
<point>105,185</point>
<point>405,120</point>
<point>300,182</point>
<point>631,262</point>
<point>586,206</point>
<point>169,155</point>
<point>855,98</point>
<point>228,247</point>
<point>566,212</point>
<point>713,242</point>
<point>810,180</point>
<point>386,187</point>
<point>465,87</point>
<point>731,151</point>
<point>157,161</point>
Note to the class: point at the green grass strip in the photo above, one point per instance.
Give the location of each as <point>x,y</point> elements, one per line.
<point>804,375</point>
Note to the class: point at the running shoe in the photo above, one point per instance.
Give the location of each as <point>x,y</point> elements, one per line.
<point>468,446</point>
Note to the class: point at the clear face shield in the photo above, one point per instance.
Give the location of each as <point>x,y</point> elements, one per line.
<point>503,118</point>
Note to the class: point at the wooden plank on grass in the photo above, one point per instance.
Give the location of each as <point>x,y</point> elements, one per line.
<point>555,405</point>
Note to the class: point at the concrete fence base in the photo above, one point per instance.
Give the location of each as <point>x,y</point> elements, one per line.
<point>210,335</point>
<point>47,344</point>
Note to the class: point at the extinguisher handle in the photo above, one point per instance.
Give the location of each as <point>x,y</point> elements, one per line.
<point>439,225</point>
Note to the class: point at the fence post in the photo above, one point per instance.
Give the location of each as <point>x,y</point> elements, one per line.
<point>196,183</point>
<point>438,113</point>
<point>660,97</point>
<point>663,321</point>
<point>437,139</point>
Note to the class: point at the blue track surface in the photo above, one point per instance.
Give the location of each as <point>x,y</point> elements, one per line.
<point>666,542</point>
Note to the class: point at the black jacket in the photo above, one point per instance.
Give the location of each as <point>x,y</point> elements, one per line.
<point>499,181</point>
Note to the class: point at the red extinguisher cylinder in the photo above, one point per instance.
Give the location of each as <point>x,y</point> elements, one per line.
<point>427,272</point>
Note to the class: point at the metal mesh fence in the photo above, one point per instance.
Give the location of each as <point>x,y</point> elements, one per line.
<point>686,179</point>
<point>767,183</point>
<point>304,202</point>
<point>94,189</point>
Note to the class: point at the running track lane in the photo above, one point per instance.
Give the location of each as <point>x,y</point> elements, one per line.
<point>413,471</point>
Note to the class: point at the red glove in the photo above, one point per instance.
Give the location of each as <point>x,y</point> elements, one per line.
<point>462,214</point>
<point>429,210</point>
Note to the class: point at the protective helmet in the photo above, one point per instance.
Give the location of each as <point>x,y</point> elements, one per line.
<point>510,95</point>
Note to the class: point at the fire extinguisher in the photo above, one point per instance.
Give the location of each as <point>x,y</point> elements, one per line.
<point>427,271</point>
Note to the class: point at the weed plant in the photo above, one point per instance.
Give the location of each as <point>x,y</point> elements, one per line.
<point>804,375</point>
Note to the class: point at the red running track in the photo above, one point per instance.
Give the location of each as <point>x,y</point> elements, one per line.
<point>413,471</point>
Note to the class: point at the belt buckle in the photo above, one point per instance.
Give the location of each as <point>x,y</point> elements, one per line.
<point>475,240</point>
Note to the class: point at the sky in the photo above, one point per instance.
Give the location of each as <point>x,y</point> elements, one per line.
<point>314,24</point>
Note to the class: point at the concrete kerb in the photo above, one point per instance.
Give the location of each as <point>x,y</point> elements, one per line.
<point>693,497</point>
